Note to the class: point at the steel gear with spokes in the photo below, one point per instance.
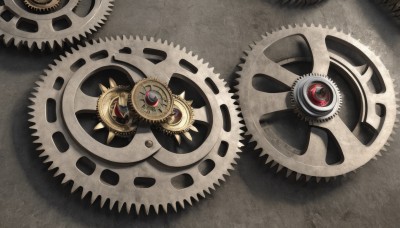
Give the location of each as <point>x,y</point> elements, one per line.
<point>277,90</point>
<point>50,24</point>
<point>149,170</point>
<point>182,119</point>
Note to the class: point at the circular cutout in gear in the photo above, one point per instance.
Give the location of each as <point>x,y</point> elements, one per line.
<point>141,173</point>
<point>49,24</point>
<point>276,97</point>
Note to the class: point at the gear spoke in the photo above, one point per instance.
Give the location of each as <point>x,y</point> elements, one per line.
<point>277,102</point>
<point>319,51</point>
<point>85,103</point>
<point>200,114</point>
<point>349,144</point>
<point>317,148</point>
<point>272,69</point>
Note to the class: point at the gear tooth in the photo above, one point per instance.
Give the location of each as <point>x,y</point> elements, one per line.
<point>74,186</point>
<point>298,175</point>
<point>174,205</point>
<point>84,193</point>
<point>274,163</point>
<point>137,208</point>
<point>128,207</point>
<point>375,158</point>
<point>308,178</point>
<point>93,199</point>
<point>164,208</point>
<point>156,208</point>
<point>318,179</point>
<point>280,167</point>
<point>327,179</point>
<point>103,201</point>
<point>64,179</point>
<point>269,159</point>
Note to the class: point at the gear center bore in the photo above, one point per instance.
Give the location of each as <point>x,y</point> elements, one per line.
<point>151,98</point>
<point>319,94</point>
<point>316,97</point>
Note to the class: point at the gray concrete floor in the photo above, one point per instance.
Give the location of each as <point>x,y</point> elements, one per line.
<point>217,30</point>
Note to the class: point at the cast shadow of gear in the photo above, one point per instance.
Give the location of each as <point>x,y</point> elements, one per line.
<point>56,196</point>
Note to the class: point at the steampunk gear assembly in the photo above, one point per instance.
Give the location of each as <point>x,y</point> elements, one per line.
<point>319,113</point>
<point>50,24</point>
<point>138,123</point>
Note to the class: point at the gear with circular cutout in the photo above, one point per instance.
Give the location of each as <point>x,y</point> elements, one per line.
<point>143,174</point>
<point>152,100</point>
<point>50,29</point>
<point>355,142</point>
<point>42,5</point>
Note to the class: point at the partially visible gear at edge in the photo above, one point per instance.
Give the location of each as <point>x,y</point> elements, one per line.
<point>279,159</point>
<point>48,37</point>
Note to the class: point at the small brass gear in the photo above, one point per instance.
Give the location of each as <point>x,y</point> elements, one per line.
<point>42,5</point>
<point>114,113</point>
<point>152,100</point>
<point>182,119</point>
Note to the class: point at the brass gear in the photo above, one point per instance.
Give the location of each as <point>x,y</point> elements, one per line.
<point>152,100</point>
<point>118,124</point>
<point>42,5</point>
<point>182,117</point>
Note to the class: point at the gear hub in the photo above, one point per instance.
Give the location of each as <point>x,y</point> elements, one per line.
<point>316,98</point>
<point>152,100</point>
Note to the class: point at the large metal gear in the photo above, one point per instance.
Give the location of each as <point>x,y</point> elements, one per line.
<point>151,170</point>
<point>52,25</point>
<point>300,2</point>
<point>322,149</point>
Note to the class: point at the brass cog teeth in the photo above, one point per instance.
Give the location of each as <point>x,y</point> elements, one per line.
<point>167,92</point>
<point>45,7</point>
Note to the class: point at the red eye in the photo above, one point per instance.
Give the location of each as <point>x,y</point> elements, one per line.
<point>319,94</point>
